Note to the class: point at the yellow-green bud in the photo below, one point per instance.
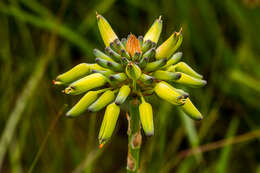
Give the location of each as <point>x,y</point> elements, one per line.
<point>83,103</point>
<point>190,81</point>
<point>191,110</point>
<point>146,79</point>
<point>100,54</point>
<point>122,94</point>
<point>185,68</point>
<point>169,93</point>
<point>155,65</point>
<point>109,122</point>
<point>106,98</point>
<point>73,74</point>
<point>167,48</point>
<point>174,59</point>
<point>133,71</point>
<point>146,117</point>
<point>154,32</point>
<point>87,83</point>
<point>119,77</point>
<point>106,31</point>
<point>165,75</point>
<point>97,67</point>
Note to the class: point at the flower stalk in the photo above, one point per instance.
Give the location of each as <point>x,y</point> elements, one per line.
<point>134,137</point>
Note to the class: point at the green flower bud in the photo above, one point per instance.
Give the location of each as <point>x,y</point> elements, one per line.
<point>84,103</point>
<point>173,60</point>
<point>146,117</point>
<point>101,55</point>
<point>191,110</point>
<point>106,98</point>
<point>169,93</point>
<point>98,67</point>
<point>148,44</point>
<point>119,77</point>
<point>185,68</point>
<point>150,53</point>
<point>146,79</point>
<point>107,33</point>
<point>105,73</point>
<point>124,53</point>
<point>165,75</point>
<point>133,71</point>
<point>156,65</point>
<point>122,94</point>
<point>115,56</point>
<point>109,123</point>
<point>124,41</point>
<point>87,83</point>
<point>190,81</point>
<point>154,32</point>
<point>141,40</point>
<point>143,62</point>
<point>73,74</point>
<point>168,47</point>
<point>109,64</point>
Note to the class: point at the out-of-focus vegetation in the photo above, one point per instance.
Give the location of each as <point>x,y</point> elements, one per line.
<point>40,39</point>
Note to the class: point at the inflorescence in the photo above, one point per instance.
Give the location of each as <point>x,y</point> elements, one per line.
<point>131,67</point>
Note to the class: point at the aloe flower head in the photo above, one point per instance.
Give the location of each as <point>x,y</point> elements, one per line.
<point>132,67</point>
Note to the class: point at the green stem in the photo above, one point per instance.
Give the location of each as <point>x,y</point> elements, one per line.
<point>134,137</point>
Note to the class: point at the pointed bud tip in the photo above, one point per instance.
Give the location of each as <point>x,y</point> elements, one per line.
<point>178,75</point>
<point>149,134</point>
<point>117,103</point>
<point>98,15</point>
<point>54,82</point>
<point>160,19</point>
<point>101,146</point>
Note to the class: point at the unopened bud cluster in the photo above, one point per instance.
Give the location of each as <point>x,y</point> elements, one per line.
<point>131,67</point>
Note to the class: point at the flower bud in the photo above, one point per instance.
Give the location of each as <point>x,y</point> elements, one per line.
<point>107,33</point>
<point>185,68</point>
<point>156,65</point>
<point>169,93</point>
<point>148,44</point>
<point>106,98</point>
<point>115,56</point>
<point>141,40</point>
<point>173,60</point>
<point>83,104</point>
<point>133,45</point>
<point>101,55</point>
<point>167,48</point>
<point>112,65</point>
<point>190,81</point>
<point>165,75</point>
<point>97,67</point>
<point>191,110</point>
<point>87,83</point>
<point>154,32</point>
<point>124,53</point>
<point>146,117</point>
<point>73,74</point>
<point>119,77</point>
<point>150,53</point>
<point>124,41</point>
<point>133,71</point>
<point>143,62</point>
<point>146,79</point>
<point>109,123</point>
<point>105,73</point>
<point>122,94</point>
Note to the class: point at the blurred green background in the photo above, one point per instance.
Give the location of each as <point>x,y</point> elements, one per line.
<point>41,39</point>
